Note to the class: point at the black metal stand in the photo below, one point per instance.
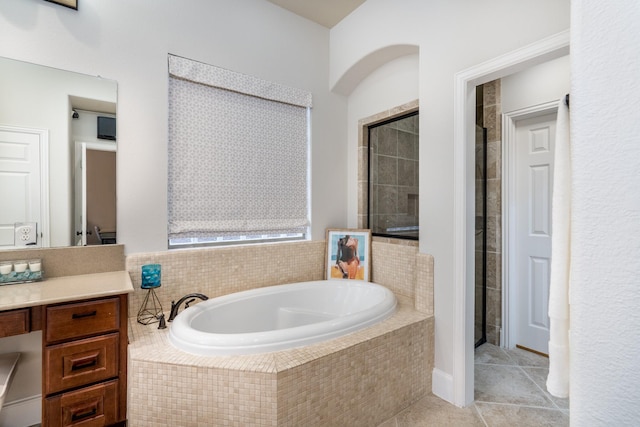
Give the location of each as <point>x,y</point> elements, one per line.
<point>150,310</point>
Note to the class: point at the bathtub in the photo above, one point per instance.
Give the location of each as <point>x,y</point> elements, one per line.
<point>280,317</point>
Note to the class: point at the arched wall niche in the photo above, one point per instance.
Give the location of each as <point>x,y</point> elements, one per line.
<point>352,77</point>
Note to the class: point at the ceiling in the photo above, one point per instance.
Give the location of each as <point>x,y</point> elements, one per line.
<point>325,12</point>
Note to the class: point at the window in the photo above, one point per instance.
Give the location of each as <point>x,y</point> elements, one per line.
<point>393,177</point>
<point>238,157</point>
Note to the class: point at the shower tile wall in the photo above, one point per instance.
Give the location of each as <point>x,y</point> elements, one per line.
<point>489,115</point>
<point>394,174</point>
<point>363,160</point>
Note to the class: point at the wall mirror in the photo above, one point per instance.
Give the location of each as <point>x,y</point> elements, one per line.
<point>57,168</point>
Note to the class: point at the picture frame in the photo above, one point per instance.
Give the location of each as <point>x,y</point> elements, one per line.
<point>348,254</point>
<point>71,4</point>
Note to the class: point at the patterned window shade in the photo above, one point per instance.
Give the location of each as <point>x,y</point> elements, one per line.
<point>237,160</point>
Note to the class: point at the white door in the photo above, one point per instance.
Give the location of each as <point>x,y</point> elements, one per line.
<point>535,138</point>
<point>22,192</point>
<point>83,194</point>
<point>81,218</point>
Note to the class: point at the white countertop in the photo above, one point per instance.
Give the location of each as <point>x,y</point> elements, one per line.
<point>62,289</point>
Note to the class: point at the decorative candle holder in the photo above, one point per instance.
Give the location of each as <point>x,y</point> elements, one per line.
<point>20,271</point>
<point>151,308</point>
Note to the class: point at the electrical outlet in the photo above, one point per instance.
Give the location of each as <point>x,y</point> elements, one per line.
<point>26,233</point>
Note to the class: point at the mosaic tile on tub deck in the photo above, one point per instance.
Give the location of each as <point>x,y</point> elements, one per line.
<point>359,380</point>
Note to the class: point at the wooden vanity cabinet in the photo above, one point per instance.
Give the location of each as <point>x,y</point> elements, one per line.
<point>84,362</point>
<point>15,322</point>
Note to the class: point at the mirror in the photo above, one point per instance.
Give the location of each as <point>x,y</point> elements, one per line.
<point>48,144</point>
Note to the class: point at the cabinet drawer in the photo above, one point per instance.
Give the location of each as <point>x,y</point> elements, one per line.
<point>14,322</point>
<point>90,407</point>
<point>82,319</point>
<point>81,362</point>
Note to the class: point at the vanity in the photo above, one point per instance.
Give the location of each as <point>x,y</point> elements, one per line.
<point>83,319</point>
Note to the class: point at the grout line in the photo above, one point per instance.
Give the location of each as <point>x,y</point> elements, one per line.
<point>547,397</point>
<point>518,405</point>
<point>480,414</point>
<point>544,392</point>
<point>506,353</point>
<point>497,364</point>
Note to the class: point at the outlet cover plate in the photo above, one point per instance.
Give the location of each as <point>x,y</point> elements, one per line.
<point>26,233</point>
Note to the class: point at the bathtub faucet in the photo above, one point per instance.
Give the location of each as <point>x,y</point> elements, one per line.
<point>175,306</point>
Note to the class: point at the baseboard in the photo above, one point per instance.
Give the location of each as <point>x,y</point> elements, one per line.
<point>22,413</point>
<point>442,385</point>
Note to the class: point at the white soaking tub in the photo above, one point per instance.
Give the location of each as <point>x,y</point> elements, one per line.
<point>280,317</point>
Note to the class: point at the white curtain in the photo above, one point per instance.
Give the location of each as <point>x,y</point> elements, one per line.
<point>238,154</point>
<point>558,379</point>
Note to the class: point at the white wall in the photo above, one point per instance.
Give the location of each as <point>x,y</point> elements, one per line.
<point>452,36</point>
<point>546,82</point>
<point>129,42</point>
<point>393,84</point>
<point>605,270</point>
<point>38,97</point>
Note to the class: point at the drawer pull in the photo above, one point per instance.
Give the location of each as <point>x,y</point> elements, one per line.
<point>77,416</point>
<point>87,362</point>
<point>82,315</point>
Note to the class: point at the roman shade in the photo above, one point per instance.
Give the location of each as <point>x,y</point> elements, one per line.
<point>238,154</point>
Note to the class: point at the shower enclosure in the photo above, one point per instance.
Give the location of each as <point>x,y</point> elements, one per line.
<point>480,331</point>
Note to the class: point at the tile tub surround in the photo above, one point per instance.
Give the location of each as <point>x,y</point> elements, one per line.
<point>225,270</point>
<point>360,379</point>
<point>399,266</point>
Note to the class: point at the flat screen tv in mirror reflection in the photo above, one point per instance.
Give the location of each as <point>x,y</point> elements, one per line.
<point>107,128</point>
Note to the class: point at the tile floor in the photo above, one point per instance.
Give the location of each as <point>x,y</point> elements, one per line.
<point>509,391</point>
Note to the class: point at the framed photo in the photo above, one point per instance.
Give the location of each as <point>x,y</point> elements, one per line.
<point>73,4</point>
<point>348,254</point>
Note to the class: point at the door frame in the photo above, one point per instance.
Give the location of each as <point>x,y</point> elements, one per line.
<point>509,302</point>
<point>43,226</point>
<point>459,388</point>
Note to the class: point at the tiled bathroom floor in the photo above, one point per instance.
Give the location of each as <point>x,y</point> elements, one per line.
<point>509,390</point>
